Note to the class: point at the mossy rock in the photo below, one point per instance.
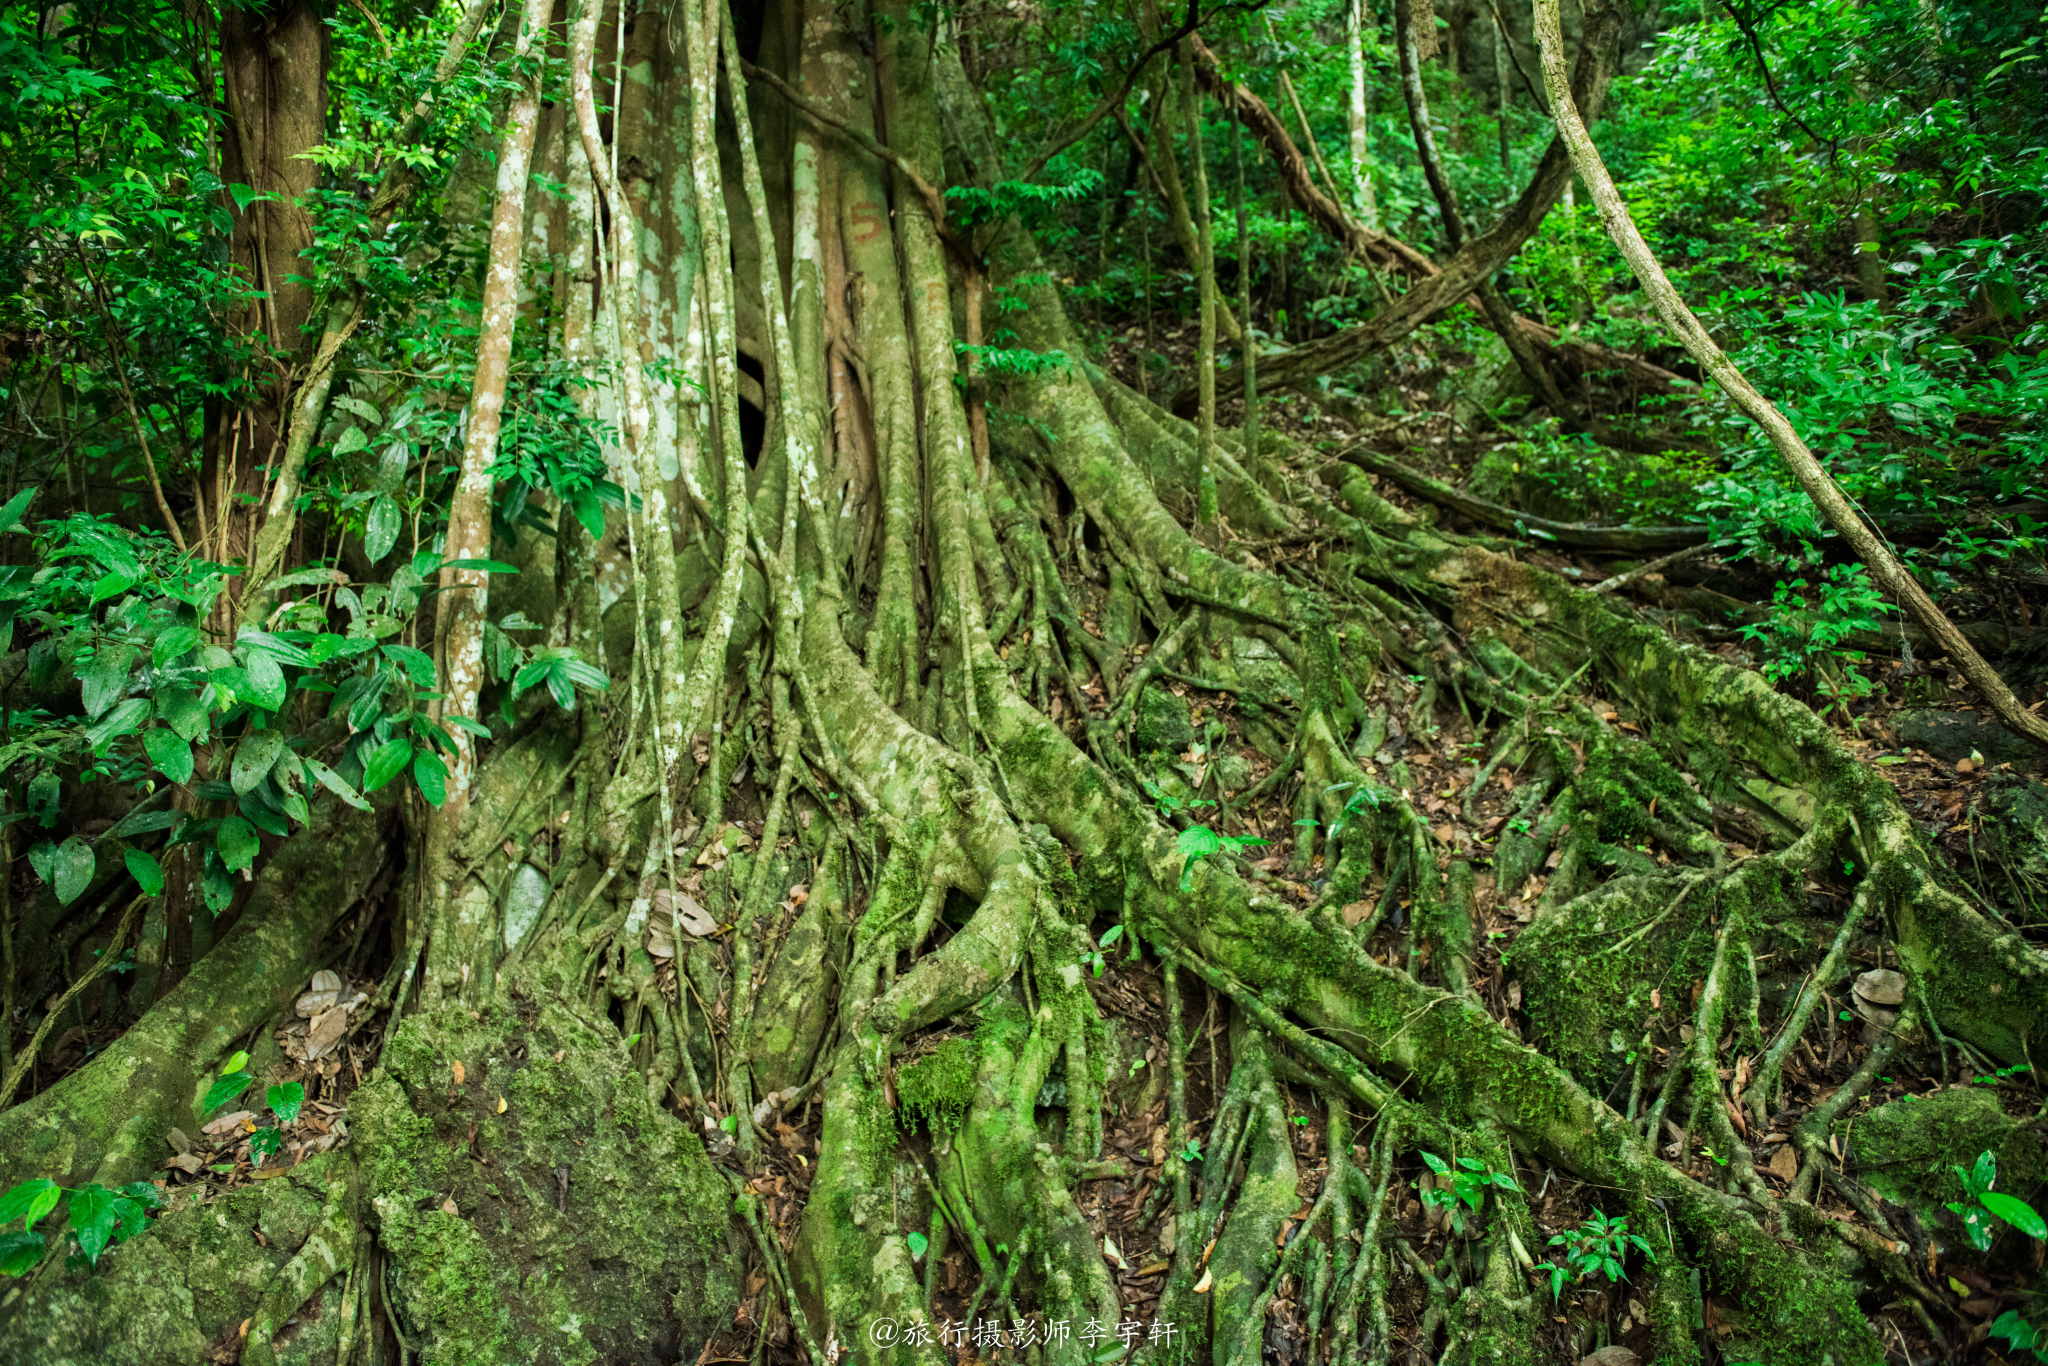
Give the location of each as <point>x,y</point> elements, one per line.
<point>2016,835</point>
<point>1160,722</point>
<point>168,1296</point>
<point>536,1206</point>
<point>1909,1149</point>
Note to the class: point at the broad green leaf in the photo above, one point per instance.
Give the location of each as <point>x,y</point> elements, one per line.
<point>171,755</point>
<point>236,1063</point>
<point>431,774</point>
<point>266,681</point>
<point>284,1100</point>
<point>351,441</point>
<point>277,647</point>
<point>418,664</point>
<point>30,1200</point>
<point>380,533</point>
<point>147,872</point>
<point>20,1252</point>
<point>173,645</point>
<point>917,1243</point>
<point>255,756</point>
<point>93,1219</point>
<point>387,763</point>
<point>145,822</point>
<point>10,515</point>
<point>105,679</point>
<point>71,869</point>
<point>1198,841</point>
<point>1436,1164</point>
<point>214,883</point>
<point>332,781</point>
<point>238,842</point>
<point>181,707</point>
<point>2016,1212</point>
<point>586,674</point>
<point>263,815</point>
<point>223,1090</point>
<point>121,721</point>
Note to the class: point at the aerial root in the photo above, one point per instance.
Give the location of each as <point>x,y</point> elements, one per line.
<point>333,1247</point>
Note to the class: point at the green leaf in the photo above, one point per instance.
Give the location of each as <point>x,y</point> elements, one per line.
<point>1436,1164</point>
<point>236,1063</point>
<point>333,782</point>
<point>381,531</point>
<point>418,664</point>
<point>266,681</point>
<point>2016,1212</point>
<point>173,645</point>
<point>223,1090</point>
<point>181,707</point>
<point>431,774</point>
<point>264,1142</point>
<point>387,763</point>
<point>20,1252</point>
<point>238,843</point>
<point>30,1200</point>
<point>2021,1335</point>
<point>71,868</point>
<point>252,641</point>
<point>120,721</point>
<point>1198,841</point>
<point>918,1243</point>
<point>254,758</point>
<point>10,515</point>
<point>1114,933</point>
<point>171,755</point>
<point>351,441</point>
<point>215,885</point>
<point>105,679</point>
<point>147,872</point>
<point>92,1220</point>
<point>284,1100</point>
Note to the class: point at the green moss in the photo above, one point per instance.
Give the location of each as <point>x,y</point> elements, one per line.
<point>629,1257</point>
<point>938,1088</point>
<point>1909,1149</point>
<point>167,1297</point>
<point>1160,722</point>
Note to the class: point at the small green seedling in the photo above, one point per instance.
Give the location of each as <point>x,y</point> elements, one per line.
<point>96,1217</point>
<point>1197,842</point>
<point>917,1243</point>
<point>1192,1152</point>
<point>234,1079</point>
<point>1596,1248</point>
<point>1356,805</point>
<point>1984,1207</point>
<point>1092,958</point>
<point>1168,805</point>
<point>1470,1179</point>
<point>2020,1334</point>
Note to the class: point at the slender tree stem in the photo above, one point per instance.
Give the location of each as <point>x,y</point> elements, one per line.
<point>1813,477</point>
